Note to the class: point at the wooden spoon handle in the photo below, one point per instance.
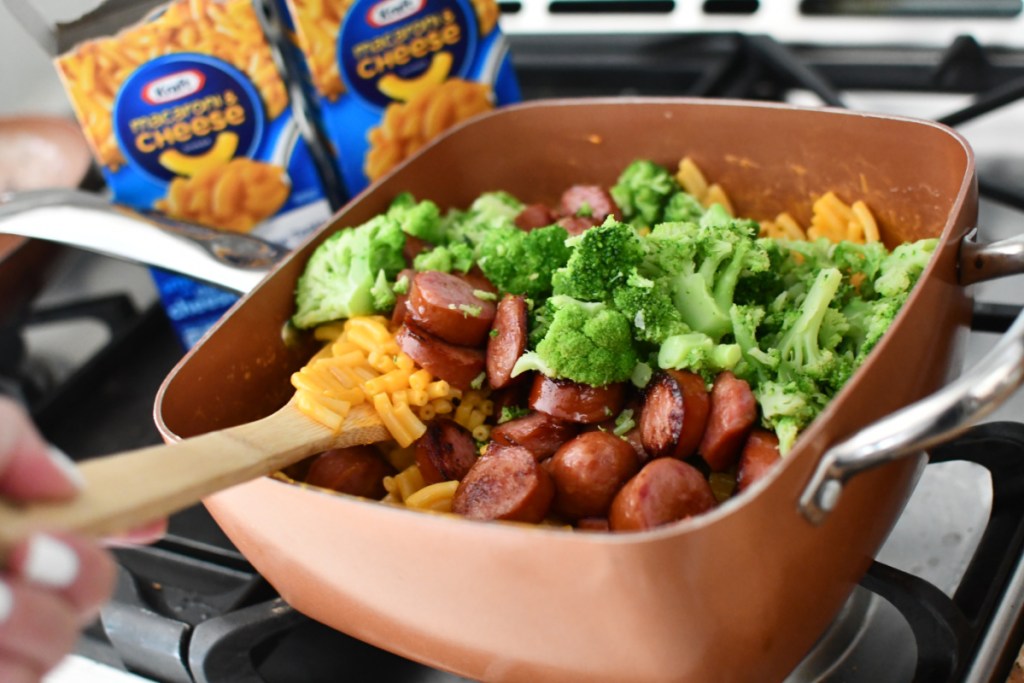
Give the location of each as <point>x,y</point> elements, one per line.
<point>129,489</point>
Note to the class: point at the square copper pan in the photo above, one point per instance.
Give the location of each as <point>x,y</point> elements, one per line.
<point>739,594</point>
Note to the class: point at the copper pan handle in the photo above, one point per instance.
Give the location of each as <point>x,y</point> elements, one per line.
<point>88,221</point>
<point>941,416</point>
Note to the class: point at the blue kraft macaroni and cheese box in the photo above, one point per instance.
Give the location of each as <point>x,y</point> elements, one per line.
<point>390,75</point>
<point>188,114</point>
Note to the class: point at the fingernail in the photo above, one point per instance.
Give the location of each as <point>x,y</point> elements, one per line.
<point>67,466</point>
<point>6,601</point>
<point>50,562</point>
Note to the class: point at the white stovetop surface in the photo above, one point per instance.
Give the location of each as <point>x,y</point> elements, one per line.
<point>77,669</point>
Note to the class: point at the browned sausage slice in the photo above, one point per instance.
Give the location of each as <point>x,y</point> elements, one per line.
<point>588,471</point>
<point>664,491</point>
<point>589,200</point>
<point>674,414</point>
<point>507,340</point>
<point>537,432</point>
<point>634,439</point>
<point>357,470</point>
<point>445,452</point>
<point>477,280</point>
<point>534,216</point>
<point>398,312</point>
<point>733,414</point>
<point>414,246</point>
<point>444,305</point>
<point>568,400</point>
<point>577,225</point>
<point>760,454</point>
<point>506,483</point>
<point>592,524</point>
<point>457,365</point>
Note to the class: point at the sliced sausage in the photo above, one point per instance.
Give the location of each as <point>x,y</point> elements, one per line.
<point>506,483</point>
<point>534,216</point>
<point>477,280</point>
<point>589,200</point>
<point>516,394</point>
<point>577,225</point>
<point>588,471</point>
<point>398,312</point>
<point>760,454</point>
<point>674,414</point>
<point>357,470</point>
<point>664,491</point>
<point>457,365</point>
<point>537,432</point>
<point>733,414</point>
<point>444,305</point>
<point>414,246</point>
<point>592,524</point>
<point>634,439</point>
<point>507,340</point>
<point>568,400</point>
<point>445,452</point>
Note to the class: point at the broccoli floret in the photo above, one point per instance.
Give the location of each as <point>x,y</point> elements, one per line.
<point>401,285</point>
<point>624,422</point>
<point>522,262</point>
<point>903,266</point>
<point>800,349</point>
<point>758,365</point>
<point>382,292</point>
<point>602,259</point>
<point>642,191</point>
<point>722,248</point>
<point>786,408</point>
<point>339,278</point>
<point>682,207</point>
<point>419,219</point>
<point>868,321</point>
<point>511,413</point>
<point>762,287</point>
<point>650,307</point>
<point>586,342</point>
<point>457,256</point>
<point>641,375</point>
<point>697,352</point>
<point>489,211</point>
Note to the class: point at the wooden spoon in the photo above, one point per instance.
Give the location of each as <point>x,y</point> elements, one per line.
<point>126,490</point>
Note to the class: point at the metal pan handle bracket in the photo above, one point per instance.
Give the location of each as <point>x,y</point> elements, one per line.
<point>944,414</point>
<point>88,221</point>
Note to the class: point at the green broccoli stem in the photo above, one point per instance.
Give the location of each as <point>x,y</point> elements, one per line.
<point>799,346</point>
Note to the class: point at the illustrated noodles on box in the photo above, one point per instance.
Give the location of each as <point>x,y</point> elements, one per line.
<point>389,75</point>
<point>188,115</point>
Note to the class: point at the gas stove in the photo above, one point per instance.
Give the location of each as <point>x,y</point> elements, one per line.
<point>942,603</point>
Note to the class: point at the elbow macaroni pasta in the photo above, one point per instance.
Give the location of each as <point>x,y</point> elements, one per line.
<point>363,364</point>
<point>831,218</point>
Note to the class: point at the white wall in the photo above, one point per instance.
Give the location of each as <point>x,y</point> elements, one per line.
<point>28,80</point>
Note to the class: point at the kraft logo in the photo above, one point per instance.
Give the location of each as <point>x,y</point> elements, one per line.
<point>390,11</point>
<point>173,86</point>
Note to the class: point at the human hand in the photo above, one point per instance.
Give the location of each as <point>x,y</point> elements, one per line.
<point>54,584</point>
